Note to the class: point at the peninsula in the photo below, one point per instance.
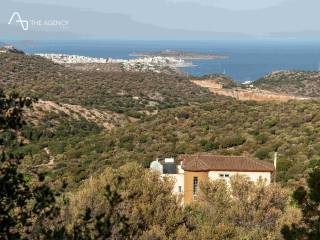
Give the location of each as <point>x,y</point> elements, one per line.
<point>155,64</point>
<point>179,54</point>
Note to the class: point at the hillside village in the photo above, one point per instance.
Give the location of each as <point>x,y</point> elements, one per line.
<point>155,64</point>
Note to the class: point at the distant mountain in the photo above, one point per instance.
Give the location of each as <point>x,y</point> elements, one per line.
<point>82,23</point>
<point>145,19</point>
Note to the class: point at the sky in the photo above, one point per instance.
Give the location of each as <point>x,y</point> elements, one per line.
<point>237,4</point>
<point>227,4</point>
<point>187,19</point>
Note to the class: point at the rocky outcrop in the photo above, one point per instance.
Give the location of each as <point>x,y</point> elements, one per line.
<point>10,49</point>
<point>105,119</point>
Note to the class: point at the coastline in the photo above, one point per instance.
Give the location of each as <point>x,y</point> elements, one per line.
<point>188,56</point>
<point>156,64</point>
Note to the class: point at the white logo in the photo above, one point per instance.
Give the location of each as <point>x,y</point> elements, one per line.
<point>18,19</point>
<point>39,23</point>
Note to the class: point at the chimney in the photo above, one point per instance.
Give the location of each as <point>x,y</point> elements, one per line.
<point>275,160</point>
<point>275,165</point>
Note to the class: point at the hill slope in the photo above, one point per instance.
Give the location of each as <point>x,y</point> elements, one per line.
<point>122,92</point>
<point>227,127</point>
<point>305,84</point>
<point>41,110</point>
<point>246,93</point>
<point>72,132</point>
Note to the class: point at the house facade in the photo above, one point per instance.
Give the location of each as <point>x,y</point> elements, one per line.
<point>189,171</point>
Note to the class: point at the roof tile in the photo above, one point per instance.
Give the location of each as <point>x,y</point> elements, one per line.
<point>206,162</point>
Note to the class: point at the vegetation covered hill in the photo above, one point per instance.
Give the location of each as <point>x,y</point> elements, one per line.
<point>305,84</point>
<point>223,126</point>
<point>81,146</point>
<point>48,111</point>
<point>122,92</point>
<point>131,202</point>
<point>224,80</point>
<point>74,133</point>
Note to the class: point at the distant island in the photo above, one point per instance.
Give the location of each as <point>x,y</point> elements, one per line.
<point>179,54</point>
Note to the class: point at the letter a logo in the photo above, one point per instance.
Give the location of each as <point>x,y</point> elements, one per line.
<point>17,17</point>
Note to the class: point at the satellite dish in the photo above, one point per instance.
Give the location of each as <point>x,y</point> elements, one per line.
<point>157,166</point>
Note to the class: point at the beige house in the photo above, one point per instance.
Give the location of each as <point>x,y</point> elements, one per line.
<point>189,170</point>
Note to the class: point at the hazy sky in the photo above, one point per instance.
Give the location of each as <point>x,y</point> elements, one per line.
<point>237,4</point>
<point>260,18</point>
<point>228,4</point>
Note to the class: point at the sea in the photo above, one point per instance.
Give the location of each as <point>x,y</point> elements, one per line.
<point>247,60</point>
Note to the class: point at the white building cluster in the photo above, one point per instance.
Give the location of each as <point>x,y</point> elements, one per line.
<point>71,59</point>
<point>154,64</point>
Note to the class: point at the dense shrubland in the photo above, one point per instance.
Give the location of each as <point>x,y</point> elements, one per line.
<point>26,202</point>
<point>205,124</point>
<point>224,80</point>
<point>127,201</point>
<point>300,83</point>
<point>145,208</point>
<point>307,198</point>
<point>122,92</point>
<point>222,126</point>
<point>241,210</point>
<point>77,197</point>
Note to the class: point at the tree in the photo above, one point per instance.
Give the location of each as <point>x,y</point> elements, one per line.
<point>308,199</point>
<point>22,207</point>
<point>239,209</point>
<point>14,190</point>
<point>126,203</point>
<point>105,224</point>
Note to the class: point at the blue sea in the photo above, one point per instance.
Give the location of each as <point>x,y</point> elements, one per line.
<point>247,60</point>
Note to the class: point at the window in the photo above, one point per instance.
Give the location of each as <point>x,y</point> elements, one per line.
<point>224,175</point>
<point>195,186</point>
<point>180,189</point>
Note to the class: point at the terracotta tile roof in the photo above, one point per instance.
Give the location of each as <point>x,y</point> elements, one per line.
<point>205,163</point>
